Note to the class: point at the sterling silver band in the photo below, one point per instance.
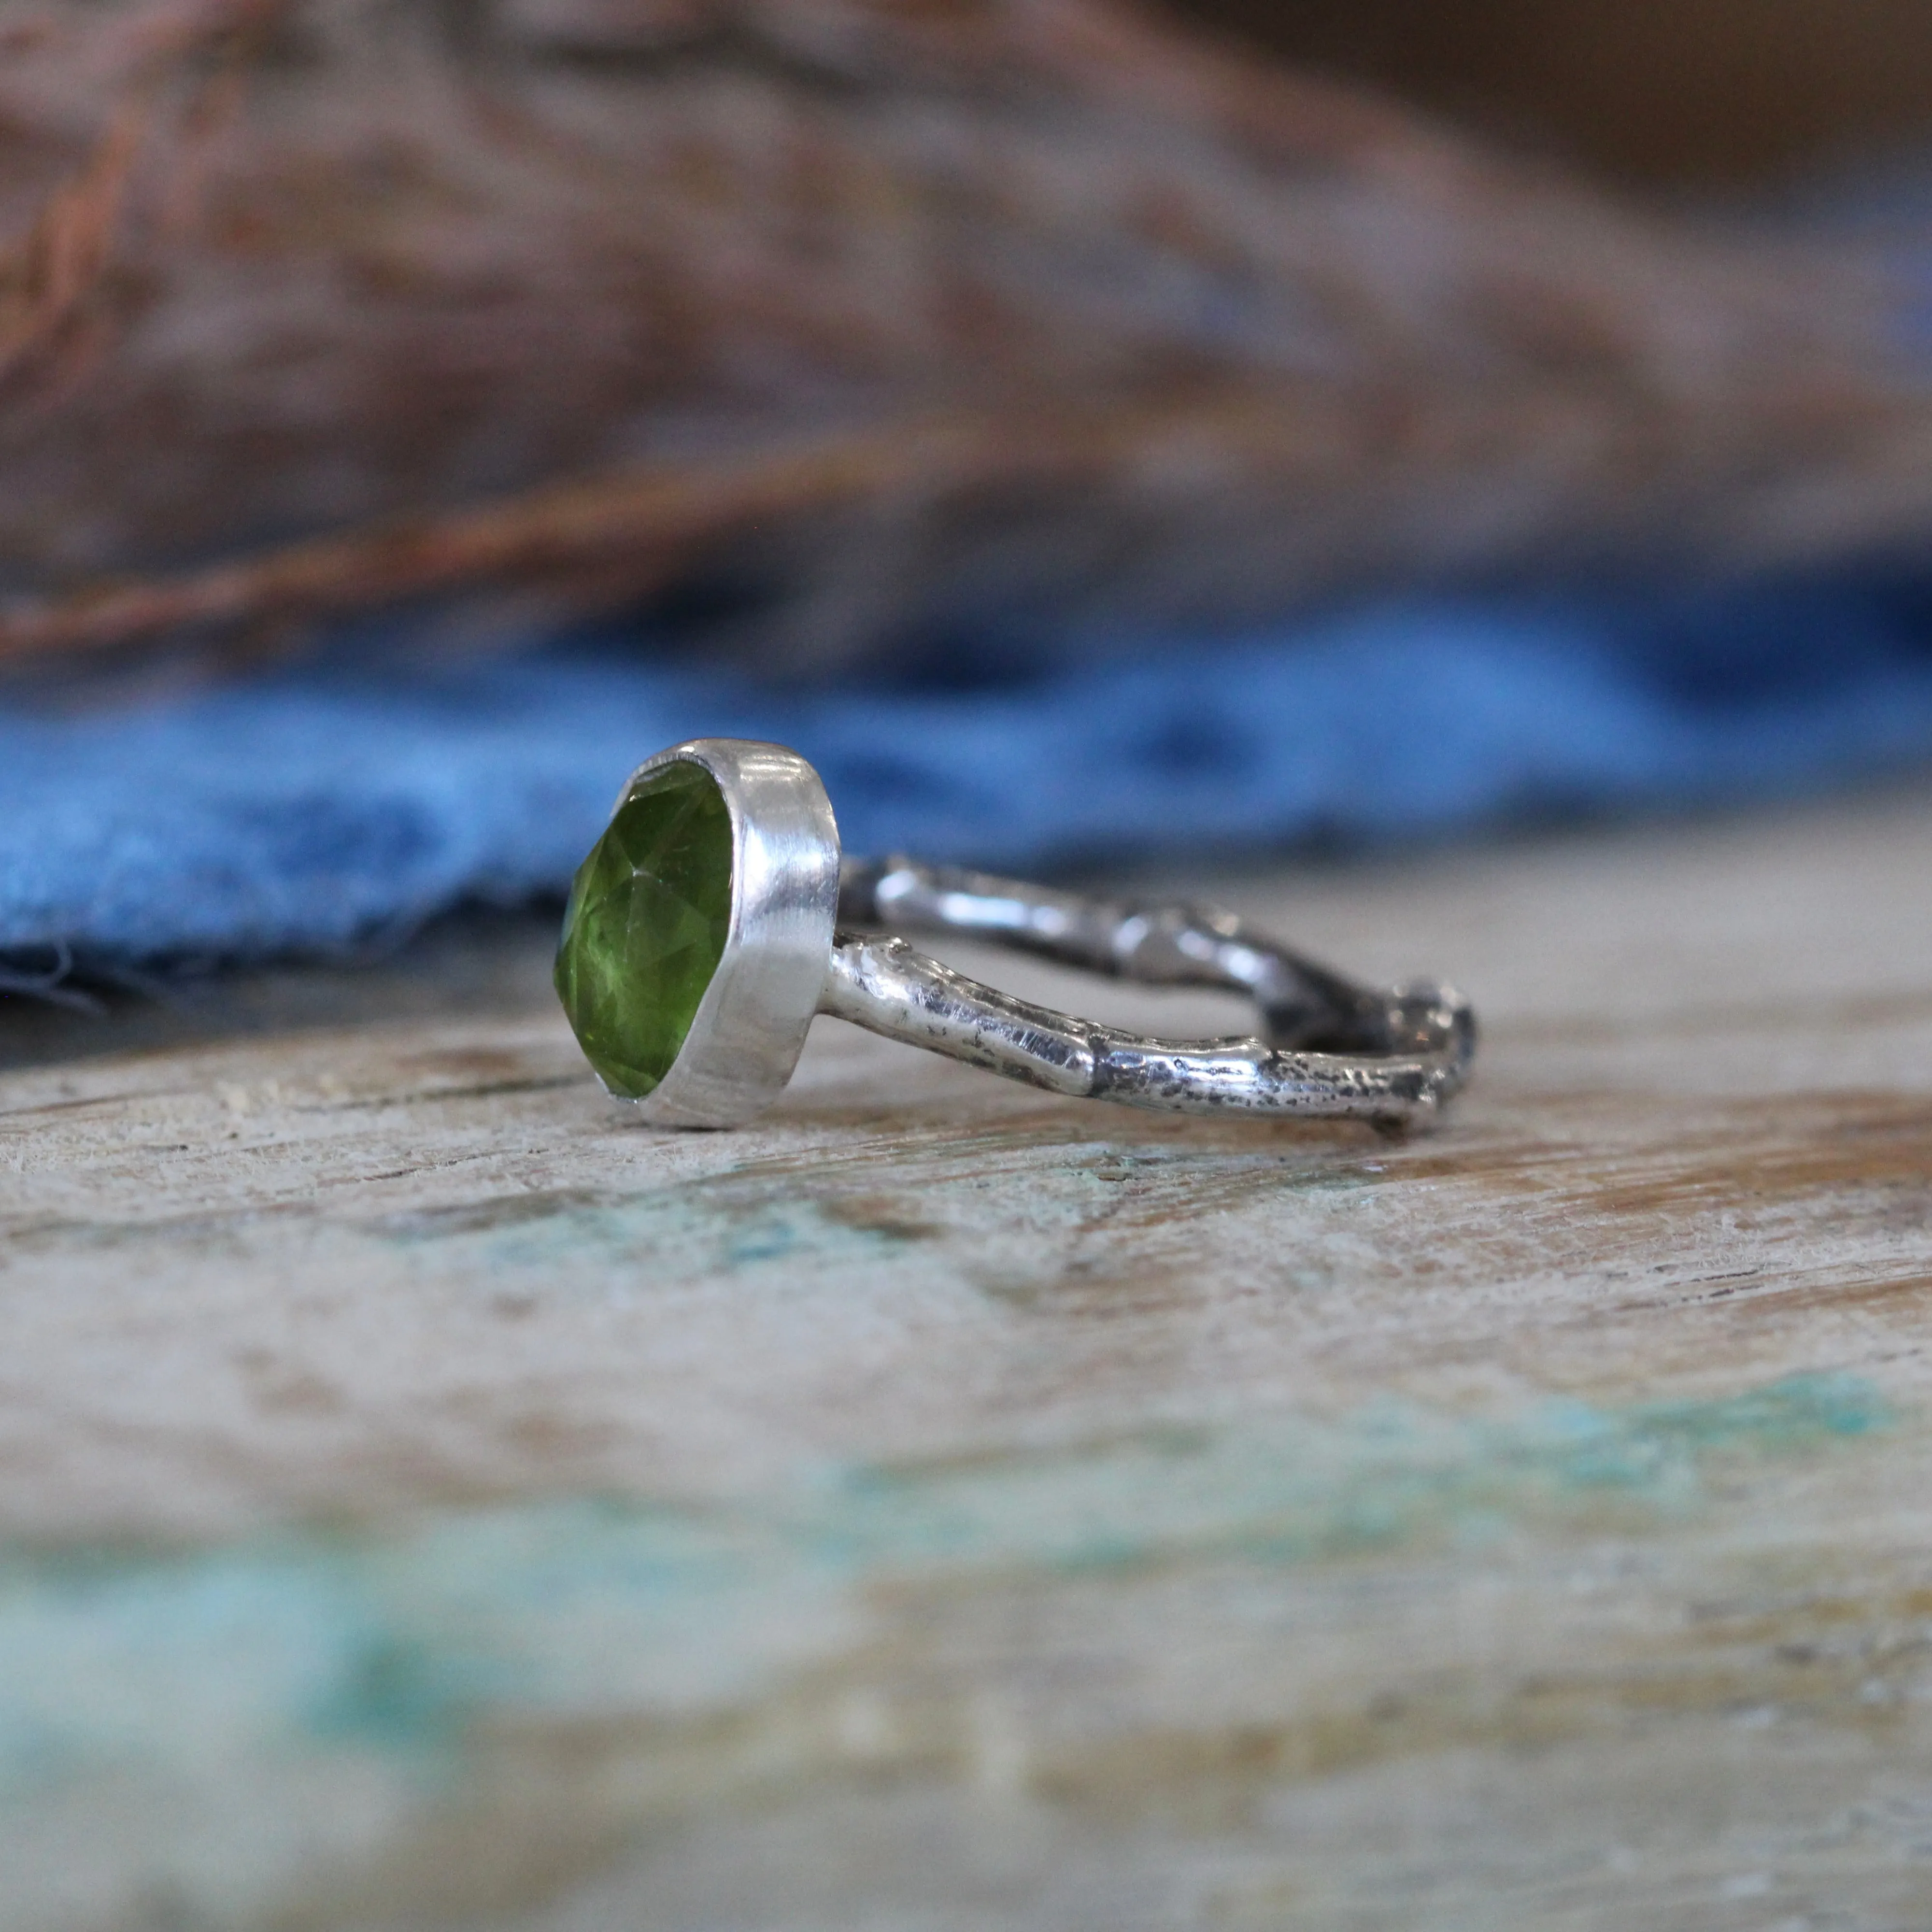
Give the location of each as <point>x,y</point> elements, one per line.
<point>812,932</point>
<point>1330,1048</point>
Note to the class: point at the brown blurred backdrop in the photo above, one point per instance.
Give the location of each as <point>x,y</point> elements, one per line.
<point>1705,93</point>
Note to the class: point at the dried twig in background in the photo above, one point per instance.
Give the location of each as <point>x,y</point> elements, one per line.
<point>888,319</point>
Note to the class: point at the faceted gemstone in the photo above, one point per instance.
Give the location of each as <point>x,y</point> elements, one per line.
<point>646,925</point>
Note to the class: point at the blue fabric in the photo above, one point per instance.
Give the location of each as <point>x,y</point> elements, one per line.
<point>312,811</point>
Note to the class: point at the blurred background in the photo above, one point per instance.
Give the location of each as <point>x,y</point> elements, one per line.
<point>1087,432</point>
<point>1687,99</point>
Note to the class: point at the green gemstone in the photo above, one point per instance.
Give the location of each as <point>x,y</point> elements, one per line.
<point>646,925</point>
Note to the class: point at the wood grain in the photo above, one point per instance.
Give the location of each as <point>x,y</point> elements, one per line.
<point>429,1498</point>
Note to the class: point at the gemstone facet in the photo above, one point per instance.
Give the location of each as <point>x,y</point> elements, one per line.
<point>649,912</point>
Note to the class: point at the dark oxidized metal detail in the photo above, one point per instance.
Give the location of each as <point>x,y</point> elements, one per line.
<point>1328,1047</point>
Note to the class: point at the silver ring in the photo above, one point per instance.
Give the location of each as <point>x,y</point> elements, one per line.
<point>801,931</point>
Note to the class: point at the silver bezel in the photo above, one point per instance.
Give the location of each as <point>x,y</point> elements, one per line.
<point>750,1027</point>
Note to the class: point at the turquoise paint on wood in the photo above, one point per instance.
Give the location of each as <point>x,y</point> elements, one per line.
<point>399,1642</point>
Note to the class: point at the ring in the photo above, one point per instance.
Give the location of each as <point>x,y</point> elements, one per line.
<point>715,918</point>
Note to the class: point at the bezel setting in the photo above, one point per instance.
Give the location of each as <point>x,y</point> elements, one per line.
<point>750,1027</point>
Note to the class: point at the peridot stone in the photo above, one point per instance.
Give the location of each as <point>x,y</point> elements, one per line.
<point>646,925</point>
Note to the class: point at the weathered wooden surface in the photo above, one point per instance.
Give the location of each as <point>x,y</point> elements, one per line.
<point>430,1497</point>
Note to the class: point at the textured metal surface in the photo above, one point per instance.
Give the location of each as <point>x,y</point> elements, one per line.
<point>1329,1047</point>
